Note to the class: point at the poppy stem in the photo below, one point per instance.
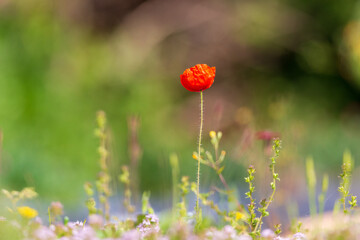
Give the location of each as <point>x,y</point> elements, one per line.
<point>198,212</point>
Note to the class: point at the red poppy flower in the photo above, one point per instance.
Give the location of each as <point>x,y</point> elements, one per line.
<point>198,78</point>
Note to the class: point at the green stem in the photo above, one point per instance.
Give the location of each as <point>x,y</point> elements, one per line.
<point>258,224</point>
<point>251,207</point>
<point>198,217</point>
<point>174,162</point>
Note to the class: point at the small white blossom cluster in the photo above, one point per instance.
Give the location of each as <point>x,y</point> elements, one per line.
<point>95,229</point>
<point>149,226</point>
<point>70,231</point>
<point>270,235</point>
<point>227,233</point>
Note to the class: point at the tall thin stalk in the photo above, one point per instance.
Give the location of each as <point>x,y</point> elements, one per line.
<point>103,181</point>
<point>311,182</point>
<point>197,209</point>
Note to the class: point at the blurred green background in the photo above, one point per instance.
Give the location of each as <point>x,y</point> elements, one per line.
<point>290,66</point>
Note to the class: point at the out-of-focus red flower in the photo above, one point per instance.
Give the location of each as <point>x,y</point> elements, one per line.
<point>267,135</point>
<point>198,78</point>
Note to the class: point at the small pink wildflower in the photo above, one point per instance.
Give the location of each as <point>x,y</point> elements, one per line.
<point>181,230</point>
<point>227,233</point>
<point>96,221</point>
<point>85,233</point>
<point>268,234</point>
<point>298,236</point>
<point>131,235</point>
<point>44,233</point>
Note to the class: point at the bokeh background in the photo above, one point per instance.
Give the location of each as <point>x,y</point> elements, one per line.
<point>287,66</point>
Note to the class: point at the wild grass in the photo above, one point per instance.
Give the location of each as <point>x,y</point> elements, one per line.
<point>235,220</point>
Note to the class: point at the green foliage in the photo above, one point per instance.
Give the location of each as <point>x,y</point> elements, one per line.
<point>216,163</point>
<point>233,217</point>
<point>146,207</point>
<point>55,74</point>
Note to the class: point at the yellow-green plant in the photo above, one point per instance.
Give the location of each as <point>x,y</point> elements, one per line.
<point>90,202</point>
<point>174,163</point>
<point>146,207</point>
<point>124,178</point>
<point>277,229</point>
<point>16,196</point>
<point>234,216</point>
<point>345,183</point>
<point>216,164</point>
<point>324,189</point>
<point>311,185</point>
<point>104,178</point>
<point>184,191</point>
<point>254,222</point>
